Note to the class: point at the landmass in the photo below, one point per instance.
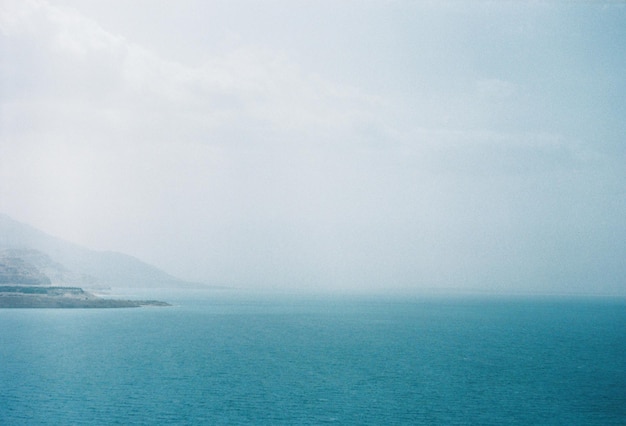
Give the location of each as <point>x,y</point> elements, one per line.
<point>30,279</point>
<point>66,264</point>
<point>63,297</point>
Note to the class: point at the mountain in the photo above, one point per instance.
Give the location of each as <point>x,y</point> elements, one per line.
<point>53,271</point>
<point>65,263</point>
<point>16,270</point>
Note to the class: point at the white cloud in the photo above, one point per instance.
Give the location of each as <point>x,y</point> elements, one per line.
<point>123,84</point>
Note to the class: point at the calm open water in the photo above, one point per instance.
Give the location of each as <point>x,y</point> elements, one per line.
<point>217,359</point>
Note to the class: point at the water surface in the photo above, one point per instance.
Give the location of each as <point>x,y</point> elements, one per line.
<point>219,359</point>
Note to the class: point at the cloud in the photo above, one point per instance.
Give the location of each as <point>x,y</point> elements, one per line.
<point>131,88</point>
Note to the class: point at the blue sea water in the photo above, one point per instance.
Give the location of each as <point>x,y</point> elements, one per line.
<point>217,359</point>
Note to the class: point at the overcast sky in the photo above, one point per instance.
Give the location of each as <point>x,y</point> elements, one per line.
<point>375,145</point>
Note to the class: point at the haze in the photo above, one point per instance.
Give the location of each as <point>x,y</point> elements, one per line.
<point>378,145</point>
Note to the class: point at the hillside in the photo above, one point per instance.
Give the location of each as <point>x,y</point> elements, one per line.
<point>16,270</point>
<point>65,263</point>
<point>25,284</point>
<point>53,272</point>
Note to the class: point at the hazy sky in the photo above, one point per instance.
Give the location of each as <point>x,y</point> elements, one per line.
<point>379,145</point>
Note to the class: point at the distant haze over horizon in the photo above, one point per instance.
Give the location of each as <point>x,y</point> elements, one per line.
<point>378,146</point>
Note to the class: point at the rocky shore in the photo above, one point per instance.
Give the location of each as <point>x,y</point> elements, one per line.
<point>17,296</point>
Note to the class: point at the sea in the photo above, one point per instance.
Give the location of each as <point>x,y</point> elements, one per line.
<point>234,358</point>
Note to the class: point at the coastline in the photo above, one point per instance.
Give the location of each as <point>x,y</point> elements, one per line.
<point>16,297</point>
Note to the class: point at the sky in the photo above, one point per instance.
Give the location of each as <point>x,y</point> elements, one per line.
<point>348,146</point>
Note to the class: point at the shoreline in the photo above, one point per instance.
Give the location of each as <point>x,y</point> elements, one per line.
<point>20,297</point>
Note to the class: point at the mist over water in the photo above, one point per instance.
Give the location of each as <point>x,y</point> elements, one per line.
<point>315,146</point>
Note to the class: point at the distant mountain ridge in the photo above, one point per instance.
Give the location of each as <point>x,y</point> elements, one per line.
<point>65,263</point>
